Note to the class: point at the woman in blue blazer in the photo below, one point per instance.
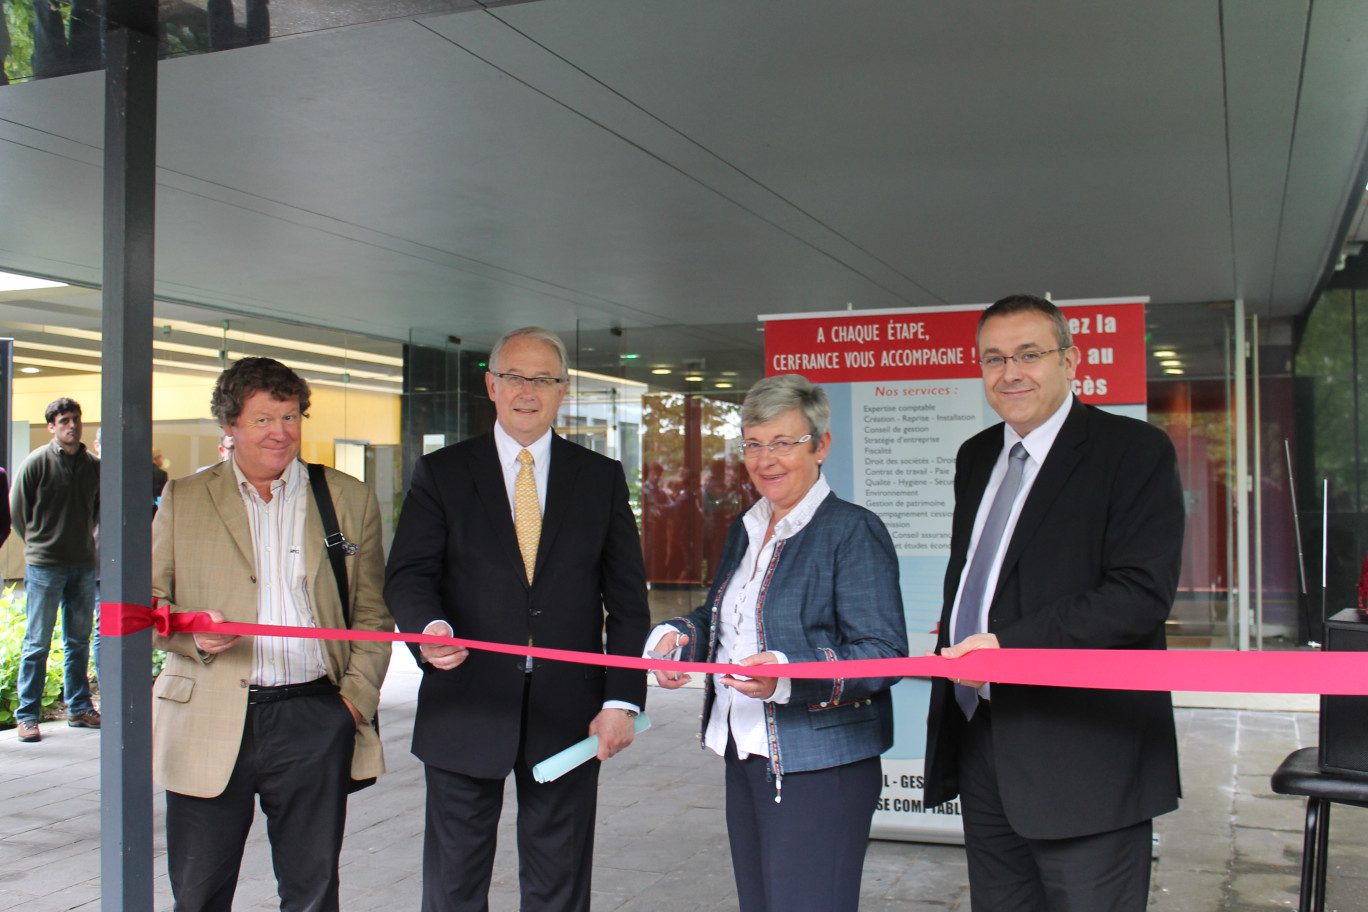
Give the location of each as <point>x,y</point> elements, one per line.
<point>804,577</point>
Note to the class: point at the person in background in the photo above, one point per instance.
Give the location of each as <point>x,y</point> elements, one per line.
<point>159,476</point>
<point>5,522</point>
<point>804,577</point>
<point>1067,534</point>
<point>225,450</point>
<point>55,507</point>
<point>95,637</point>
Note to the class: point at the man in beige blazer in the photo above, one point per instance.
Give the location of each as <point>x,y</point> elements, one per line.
<point>287,721</point>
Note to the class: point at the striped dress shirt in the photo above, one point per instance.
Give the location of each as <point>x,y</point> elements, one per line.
<point>282,587</point>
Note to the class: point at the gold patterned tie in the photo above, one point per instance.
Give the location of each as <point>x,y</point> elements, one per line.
<point>527,513</point>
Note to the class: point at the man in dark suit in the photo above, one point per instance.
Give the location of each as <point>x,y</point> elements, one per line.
<point>518,536</point>
<point>1068,531</point>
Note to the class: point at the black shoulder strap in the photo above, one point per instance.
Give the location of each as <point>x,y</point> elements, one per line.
<point>333,539</point>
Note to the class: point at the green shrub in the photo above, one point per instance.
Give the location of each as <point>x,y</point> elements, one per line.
<point>13,621</point>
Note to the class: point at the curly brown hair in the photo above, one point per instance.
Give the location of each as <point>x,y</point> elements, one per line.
<point>249,376</point>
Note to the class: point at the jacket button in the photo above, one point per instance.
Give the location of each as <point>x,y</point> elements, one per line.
<point>242,683</point>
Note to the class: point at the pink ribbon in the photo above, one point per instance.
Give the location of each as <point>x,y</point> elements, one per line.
<point>1211,671</point>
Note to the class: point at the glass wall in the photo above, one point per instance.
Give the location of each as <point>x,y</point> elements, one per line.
<point>1192,396</point>
<point>666,402</point>
<point>356,383</point>
<point>1331,393</point>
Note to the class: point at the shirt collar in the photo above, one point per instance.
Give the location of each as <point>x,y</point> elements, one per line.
<point>57,448</point>
<point>292,479</point>
<point>759,515</point>
<point>509,448</point>
<point>1038,442</point>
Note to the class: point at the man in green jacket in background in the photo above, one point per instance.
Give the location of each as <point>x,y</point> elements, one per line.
<point>55,503</point>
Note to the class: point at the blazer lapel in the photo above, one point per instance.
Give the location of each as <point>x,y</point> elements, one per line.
<point>560,483</point>
<point>223,490</point>
<point>493,492</point>
<point>1049,484</point>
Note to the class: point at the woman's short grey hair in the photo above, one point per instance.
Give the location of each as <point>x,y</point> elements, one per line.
<point>531,332</point>
<point>773,396</point>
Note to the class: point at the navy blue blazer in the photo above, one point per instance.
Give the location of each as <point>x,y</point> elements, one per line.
<point>831,593</point>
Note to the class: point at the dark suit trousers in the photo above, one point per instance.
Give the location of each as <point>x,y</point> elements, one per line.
<point>807,851</point>
<point>1102,872</point>
<point>296,755</point>
<point>555,837</point>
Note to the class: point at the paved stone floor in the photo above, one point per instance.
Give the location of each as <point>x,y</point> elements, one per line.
<point>661,844</point>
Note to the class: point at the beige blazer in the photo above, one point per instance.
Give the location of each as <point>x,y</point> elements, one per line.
<point>202,558</point>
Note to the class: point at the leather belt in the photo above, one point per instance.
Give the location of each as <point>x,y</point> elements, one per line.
<point>319,688</point>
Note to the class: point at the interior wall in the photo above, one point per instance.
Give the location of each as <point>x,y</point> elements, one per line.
<point>335,414</point>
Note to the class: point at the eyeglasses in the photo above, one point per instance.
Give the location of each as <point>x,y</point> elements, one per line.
<point>517,381</point>
<point>751,448</point>
<point>1025,359</point>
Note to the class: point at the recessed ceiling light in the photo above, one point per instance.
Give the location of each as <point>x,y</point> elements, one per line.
<point>729,373</point>
<point>660,370</point>
<point>1164,354</point>
<point>722,386</point>
<point>1171,363</point>
<point>629,356</point>
<point>694,378</point>
<point>10,281</point>
<point>1173,370</point>
<point>28,370</point>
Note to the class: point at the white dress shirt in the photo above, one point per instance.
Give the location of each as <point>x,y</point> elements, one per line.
<point>508,461</point>
<point>282,588</point>
<point>1037,445</point>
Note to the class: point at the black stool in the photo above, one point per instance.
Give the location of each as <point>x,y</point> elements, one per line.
<point>1300,774</point>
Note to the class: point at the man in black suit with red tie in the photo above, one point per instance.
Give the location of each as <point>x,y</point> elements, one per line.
<point>1067,533</point>
<point>518,536</point>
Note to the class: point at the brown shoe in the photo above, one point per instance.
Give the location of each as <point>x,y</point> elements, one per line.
<point>28,732</point>
<point>88,719</point>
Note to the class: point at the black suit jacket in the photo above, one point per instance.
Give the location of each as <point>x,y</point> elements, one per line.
<point>1093,563</point>
<point>455,557</point>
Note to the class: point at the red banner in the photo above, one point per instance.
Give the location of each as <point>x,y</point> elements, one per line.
<point>913,345</point>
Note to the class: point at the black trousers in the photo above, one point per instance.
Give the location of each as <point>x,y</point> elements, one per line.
<point>555,837</point>
<point>807,851</point>
<point>296,757</point>
<point>1100,872</point>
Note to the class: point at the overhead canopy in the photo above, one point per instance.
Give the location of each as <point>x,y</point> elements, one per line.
<point>656,163</point>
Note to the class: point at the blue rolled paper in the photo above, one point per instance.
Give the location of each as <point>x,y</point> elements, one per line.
<point>557,765</point>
